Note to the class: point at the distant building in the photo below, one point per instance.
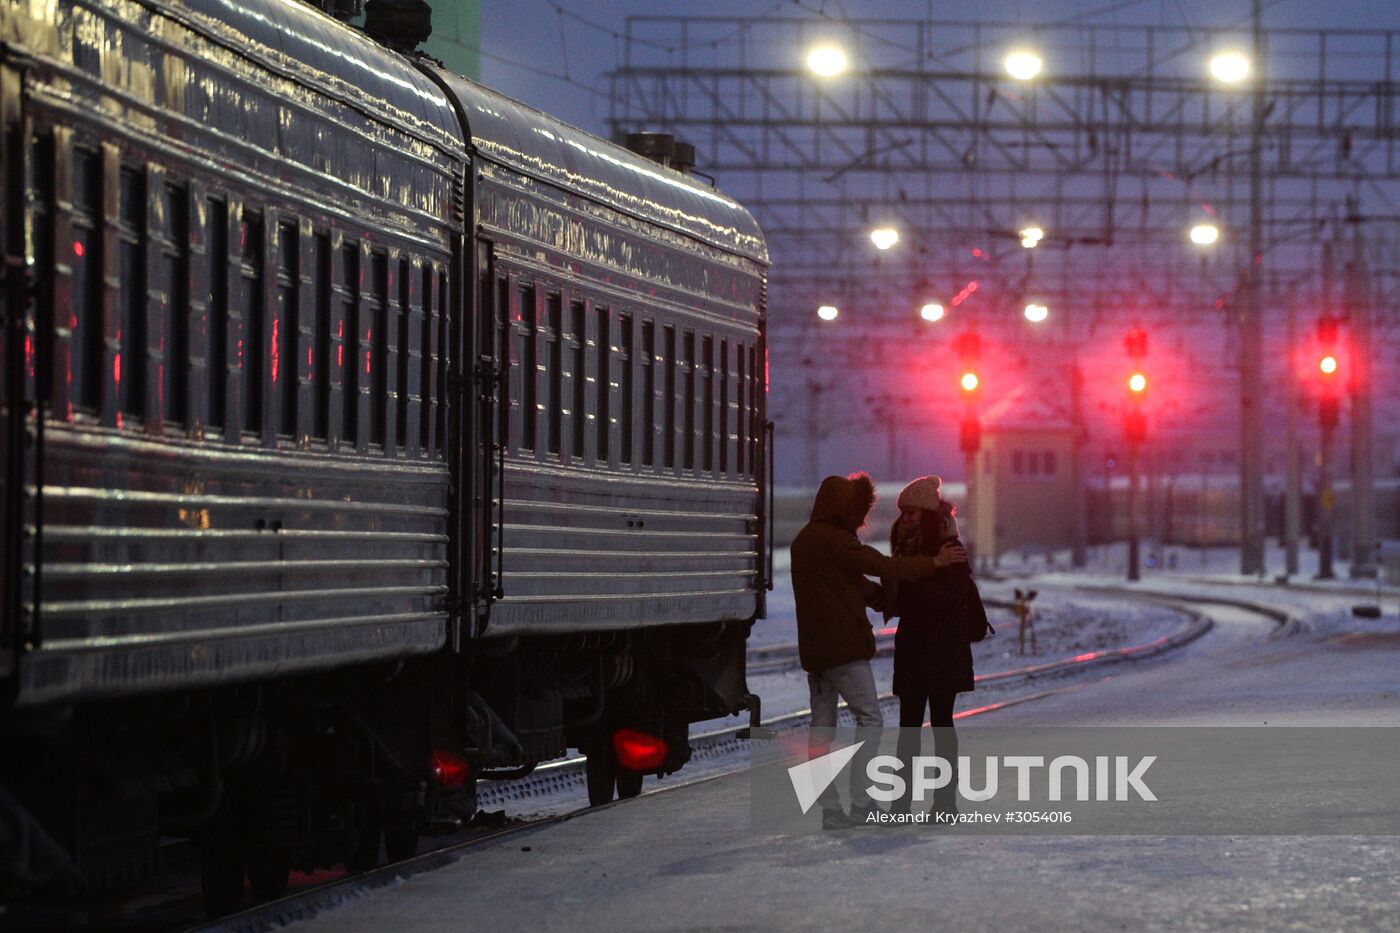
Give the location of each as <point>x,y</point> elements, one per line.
<point>1024,492</point>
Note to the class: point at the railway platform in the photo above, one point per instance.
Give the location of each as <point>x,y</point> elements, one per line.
<point>687,857</point>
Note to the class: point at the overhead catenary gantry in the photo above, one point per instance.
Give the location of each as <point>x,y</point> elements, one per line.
<point>1172,174</point>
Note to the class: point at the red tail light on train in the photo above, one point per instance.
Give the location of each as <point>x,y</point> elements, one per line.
<point>449,770</point>
<point>639,751</point>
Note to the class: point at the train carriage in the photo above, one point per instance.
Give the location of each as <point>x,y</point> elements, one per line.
<point>357,420</point>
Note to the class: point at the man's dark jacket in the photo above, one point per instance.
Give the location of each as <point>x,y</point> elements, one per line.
<point>829,570</point>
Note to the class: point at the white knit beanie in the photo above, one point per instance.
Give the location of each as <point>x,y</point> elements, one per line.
<point>923,493</point>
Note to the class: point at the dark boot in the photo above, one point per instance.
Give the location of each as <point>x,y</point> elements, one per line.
<point>837,818</point>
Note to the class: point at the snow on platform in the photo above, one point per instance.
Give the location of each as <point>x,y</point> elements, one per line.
<point>686,859</point>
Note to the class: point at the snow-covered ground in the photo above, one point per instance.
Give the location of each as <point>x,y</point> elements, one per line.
<point>1174,561</point>
<point>1065,624</point>
<point>688,859</point>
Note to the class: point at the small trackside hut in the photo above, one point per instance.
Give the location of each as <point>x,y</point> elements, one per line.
<point>366,434</point>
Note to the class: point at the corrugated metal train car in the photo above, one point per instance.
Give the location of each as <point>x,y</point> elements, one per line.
<point>367,434</point>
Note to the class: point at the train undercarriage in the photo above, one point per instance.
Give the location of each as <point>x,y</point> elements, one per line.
<point>347,767</point>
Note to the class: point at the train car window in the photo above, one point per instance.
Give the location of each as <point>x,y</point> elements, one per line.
<point>578,343</point>
<point>175,253</point>
<point>740,419</point>
<point>427,364</point>
<point>648,393</point>
<point>321,264</point>
<point>217,213</point>
<point>624,362</point>
<point>41,181</point>
<point>688,365</point>
<point>285,321</point>
<point>408,358</point>
<point>669,337</point>
<point>375,330</point>
<point>724,407</point>
<point>529,369</point>
<point>603,347</point>
<point>754,426</point>
<point>85,320</point>
<point>251,349</point>
<point>348,358</point>
<point>444,359</point>
<point>129,368</point>
<point>554,367</point>
<point>707,360</point>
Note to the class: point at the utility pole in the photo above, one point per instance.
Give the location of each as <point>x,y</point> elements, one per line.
<point>1293,480</point>
<point>813,431</point>
<point>1329,407</point>
<point>969,346</point>
<point>1135,434</point>
<point>1079,553</point>
<point>1363,513</point>
<point>1252,333</point>
<point>1326,500</point>
<point>1134,544</point>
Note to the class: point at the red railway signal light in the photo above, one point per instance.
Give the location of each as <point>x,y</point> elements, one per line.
<point>1135,342</point>
<point>1134,427</point>
<point>970,435</point>
<point>969,346</point>
<point>1137,384</point>
<point>969,383</point>
<point>1328,365</point>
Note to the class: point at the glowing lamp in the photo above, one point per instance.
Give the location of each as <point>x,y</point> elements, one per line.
<point>449,770</point>
<point>826,60</point>
<point>1023,64</point>
<point>884,237</point>
<point>1204,234</point>
<point>1229,67</point>
<point>638,751</point>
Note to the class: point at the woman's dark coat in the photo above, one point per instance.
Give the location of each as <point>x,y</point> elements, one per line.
<point>931,650</point>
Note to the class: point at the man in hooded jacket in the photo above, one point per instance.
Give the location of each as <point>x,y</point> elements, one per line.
<point>835,641</point>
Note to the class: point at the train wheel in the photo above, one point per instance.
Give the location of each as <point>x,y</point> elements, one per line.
<point>629,783</point>
<point>400,837</point>
<point>601,771</point>
<point>221,867</point>
<point>268,878</point>
<point>366,852</point>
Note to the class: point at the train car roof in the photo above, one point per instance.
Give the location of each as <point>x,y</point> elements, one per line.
<point>536,144</point>
<point>305,41</point>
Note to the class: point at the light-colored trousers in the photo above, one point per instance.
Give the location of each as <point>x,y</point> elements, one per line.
<point>853,682</point>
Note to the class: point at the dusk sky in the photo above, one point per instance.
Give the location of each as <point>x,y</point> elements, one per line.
<point>555,55</point>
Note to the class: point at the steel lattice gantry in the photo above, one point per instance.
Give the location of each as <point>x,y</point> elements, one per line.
<point>1121,144</point>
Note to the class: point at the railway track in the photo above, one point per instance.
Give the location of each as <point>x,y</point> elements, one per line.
<point>716,745</point>
<point>768,659</point>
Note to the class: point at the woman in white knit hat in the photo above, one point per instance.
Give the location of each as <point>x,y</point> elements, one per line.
<point>940,616</point>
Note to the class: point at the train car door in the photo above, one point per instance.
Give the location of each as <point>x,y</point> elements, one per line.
<point>17,355</point>
<point>491,347</point>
